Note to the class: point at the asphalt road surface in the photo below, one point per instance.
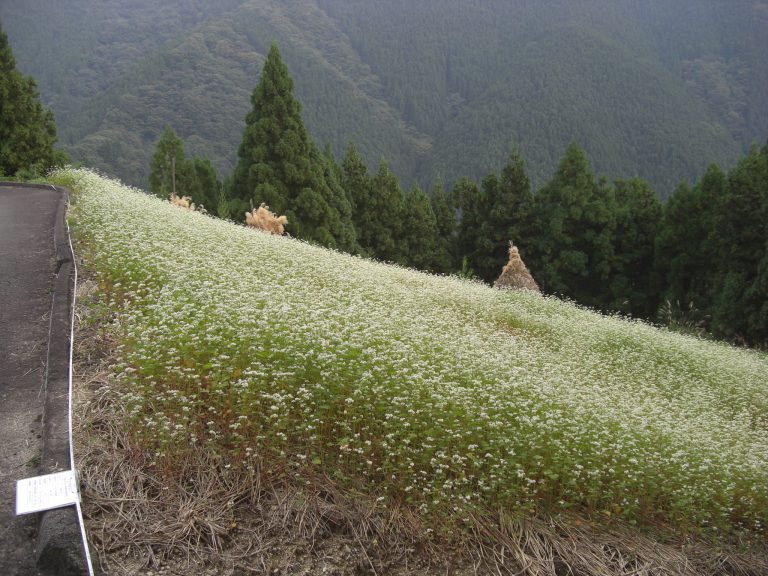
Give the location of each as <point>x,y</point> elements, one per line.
<point>27,272</point>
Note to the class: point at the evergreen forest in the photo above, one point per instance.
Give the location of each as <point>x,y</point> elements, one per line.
<point>441,89</point>
<point>404,179</point>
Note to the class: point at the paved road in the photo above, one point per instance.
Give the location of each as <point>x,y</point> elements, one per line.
<point>27,271</point>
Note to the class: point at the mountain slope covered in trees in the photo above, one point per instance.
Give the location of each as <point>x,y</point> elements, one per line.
<point>657,90</point>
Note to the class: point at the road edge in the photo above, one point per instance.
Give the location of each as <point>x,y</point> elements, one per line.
<point>59,546</point>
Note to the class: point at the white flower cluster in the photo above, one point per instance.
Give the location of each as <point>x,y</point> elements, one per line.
<point>436,391</point>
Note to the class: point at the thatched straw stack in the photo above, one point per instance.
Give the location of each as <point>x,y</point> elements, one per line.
<point>515,275</point>
<point>182,201</point>
<point>265,220</point>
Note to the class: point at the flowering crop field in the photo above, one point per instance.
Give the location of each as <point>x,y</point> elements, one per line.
<point>438,393</point>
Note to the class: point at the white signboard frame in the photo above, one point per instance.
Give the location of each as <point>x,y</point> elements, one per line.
<point>46,492</point>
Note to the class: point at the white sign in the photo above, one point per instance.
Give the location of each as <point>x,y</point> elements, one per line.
<point>46,492</point>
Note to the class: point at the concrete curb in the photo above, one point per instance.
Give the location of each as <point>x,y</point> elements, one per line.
<point>59,547</point>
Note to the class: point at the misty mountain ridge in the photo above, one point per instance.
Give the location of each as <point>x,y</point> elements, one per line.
<point>438,88</point>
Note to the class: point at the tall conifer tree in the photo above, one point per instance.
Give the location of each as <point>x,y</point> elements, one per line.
<point>685,258</point>
<point>740,251</point>
<point>195,177</point>
<point>386,215</point>
<point>421,233</point>
<point>483,261</point>
<point>27,130</point>
<point>712,251</point>
<point>273,157</point>
<point>466,194</point>
<point>169,156</point>
<point>507,207</point>
<point>339,218</point>
<point>634,286</point>
<point>278,164</point>
<point>357,183</point>
<point>575,221</point>
<point>445,218</point>
<point>208,185</point>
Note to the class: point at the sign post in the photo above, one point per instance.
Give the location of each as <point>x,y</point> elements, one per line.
<point>46,492</point>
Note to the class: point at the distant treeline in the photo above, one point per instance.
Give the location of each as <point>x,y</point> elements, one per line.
<point>698,263</point>
<point>444,88</point>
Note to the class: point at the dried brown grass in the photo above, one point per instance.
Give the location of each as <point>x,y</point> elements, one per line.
<point>182,202</point>
<point>570,545</point>
<point>203,518</point>
<point>262,219</point>
<point>515,274</point>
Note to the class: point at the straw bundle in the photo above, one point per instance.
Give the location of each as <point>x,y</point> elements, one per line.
<point>515,275</point>
<point>265,220</point>
<point>182,201</point>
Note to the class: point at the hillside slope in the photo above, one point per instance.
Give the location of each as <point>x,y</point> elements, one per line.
<point>434,408</point>
<point>438,88</point>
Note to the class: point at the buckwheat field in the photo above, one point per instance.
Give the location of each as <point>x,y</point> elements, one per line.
<point>287,361</point>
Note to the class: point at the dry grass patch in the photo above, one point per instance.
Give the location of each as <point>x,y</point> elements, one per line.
<point>263,219</point>
<point>182,202</point>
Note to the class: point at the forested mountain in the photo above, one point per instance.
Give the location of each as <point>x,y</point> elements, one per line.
<point>445,88</point>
